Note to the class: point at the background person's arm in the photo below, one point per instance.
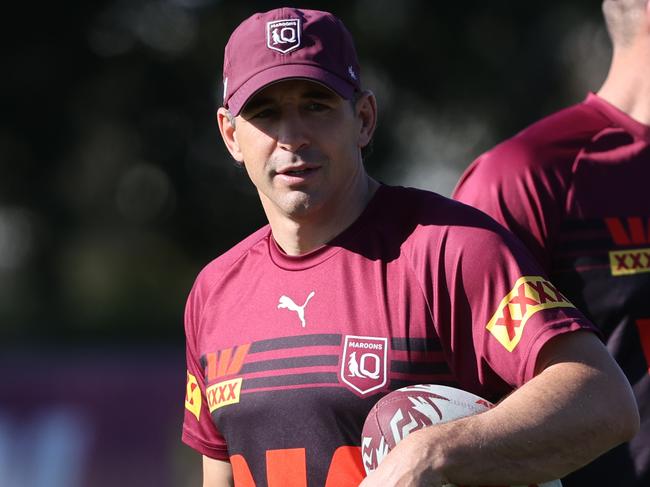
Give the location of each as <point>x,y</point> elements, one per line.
<point>578,406</point>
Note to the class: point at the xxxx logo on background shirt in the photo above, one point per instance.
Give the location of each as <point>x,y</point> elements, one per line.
<point>529,295</point>
<point>632,231</point>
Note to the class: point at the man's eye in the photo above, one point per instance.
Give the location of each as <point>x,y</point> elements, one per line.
<point>264,113</point>
<point>316,107</point>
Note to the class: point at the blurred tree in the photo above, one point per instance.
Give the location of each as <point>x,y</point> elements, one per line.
<point>115,187</point>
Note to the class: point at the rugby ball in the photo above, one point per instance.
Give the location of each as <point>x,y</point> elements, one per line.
<point>411,408</point>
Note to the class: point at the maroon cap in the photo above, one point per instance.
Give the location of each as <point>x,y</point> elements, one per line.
<point>288,43</point>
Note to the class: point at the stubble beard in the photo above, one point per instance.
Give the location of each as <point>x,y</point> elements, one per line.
<point>298,204</point>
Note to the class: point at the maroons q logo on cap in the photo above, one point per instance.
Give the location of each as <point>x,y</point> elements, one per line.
<point>283,35</point>
<point>363,364</point>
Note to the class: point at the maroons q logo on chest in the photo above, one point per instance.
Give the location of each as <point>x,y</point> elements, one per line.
<point>363,365</point>
<point>283,35</point>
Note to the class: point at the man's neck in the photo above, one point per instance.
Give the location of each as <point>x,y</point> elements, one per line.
<point>627,86</point>
<point>300,236</point>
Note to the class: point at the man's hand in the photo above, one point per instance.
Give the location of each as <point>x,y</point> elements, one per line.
<point>410,463</point>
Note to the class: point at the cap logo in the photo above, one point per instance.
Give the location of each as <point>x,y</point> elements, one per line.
<point>283,35</point>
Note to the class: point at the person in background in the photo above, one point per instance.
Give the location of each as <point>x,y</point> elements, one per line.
<point>356,288</point>
<point>574,188</point>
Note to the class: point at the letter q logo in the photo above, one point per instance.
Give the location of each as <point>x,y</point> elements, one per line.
<point>283,35</point>
<point>363,363</point>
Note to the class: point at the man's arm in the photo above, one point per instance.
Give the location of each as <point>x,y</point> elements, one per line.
<point>578,406</point>
<point>216,473</point>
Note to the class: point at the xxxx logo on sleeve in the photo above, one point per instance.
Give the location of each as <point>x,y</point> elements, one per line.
<point>220,364</point>
<point>529,295</point>
<point>223,393</point>
<point>193,396</point>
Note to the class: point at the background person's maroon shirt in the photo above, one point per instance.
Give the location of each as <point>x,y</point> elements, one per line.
<point>575,188</point>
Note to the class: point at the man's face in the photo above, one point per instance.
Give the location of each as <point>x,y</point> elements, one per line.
<point>299,143</point>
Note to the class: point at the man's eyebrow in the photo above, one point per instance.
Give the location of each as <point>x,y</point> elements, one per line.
<point>315,94</point>
<point>256,103</point>
<point>319,94</point>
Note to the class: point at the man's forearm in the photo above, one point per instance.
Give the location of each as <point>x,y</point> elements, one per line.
<point>216,473</point>
<point>535,435</point>
<point>565,417</point>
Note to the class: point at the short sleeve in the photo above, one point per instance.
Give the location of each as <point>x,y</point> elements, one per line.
<point>199,431</point>
<point>496,307</point>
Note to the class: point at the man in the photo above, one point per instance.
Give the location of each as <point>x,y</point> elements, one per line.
<point>573,187</point>
<point>357,288</point>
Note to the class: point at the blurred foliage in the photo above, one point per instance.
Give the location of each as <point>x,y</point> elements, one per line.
<point>115,188</point>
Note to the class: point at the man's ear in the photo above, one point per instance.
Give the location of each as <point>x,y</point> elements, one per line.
<point>366,110</point>
<point>228,131</point>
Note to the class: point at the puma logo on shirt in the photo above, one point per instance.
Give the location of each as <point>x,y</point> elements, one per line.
<point>287,302</point>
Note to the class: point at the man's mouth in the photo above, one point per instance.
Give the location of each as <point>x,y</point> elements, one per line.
<point>297,171</point>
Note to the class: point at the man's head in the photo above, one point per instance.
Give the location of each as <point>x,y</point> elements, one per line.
<point>288,43</point>
<point>624,18</point>
<point>294,115</point>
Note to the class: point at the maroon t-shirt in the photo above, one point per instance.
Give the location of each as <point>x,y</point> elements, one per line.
<point>286,355</point>
<point>574,188</point>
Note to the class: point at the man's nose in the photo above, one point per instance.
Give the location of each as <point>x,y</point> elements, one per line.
<point>292,132</point>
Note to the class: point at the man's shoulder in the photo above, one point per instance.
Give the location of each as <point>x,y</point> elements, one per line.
<point>429,213</point>
<point>427,224</point>
<point>575,124</point>
<point>406,195</point>
<point>553,140</point>
<point>415,204</point>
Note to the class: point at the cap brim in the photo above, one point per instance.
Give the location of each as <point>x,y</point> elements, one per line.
<point>285,72</point>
